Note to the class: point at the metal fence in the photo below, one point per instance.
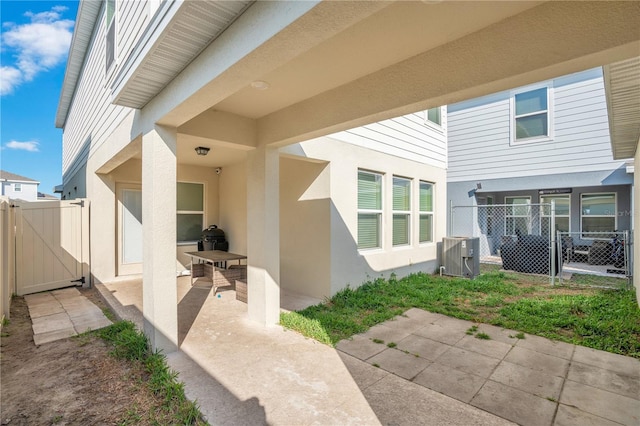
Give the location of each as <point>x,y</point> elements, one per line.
<point>596,253</point>
<point>531,238</point>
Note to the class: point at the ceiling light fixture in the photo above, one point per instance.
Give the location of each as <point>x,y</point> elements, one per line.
<point>202,150</point>
<point>260,85</point>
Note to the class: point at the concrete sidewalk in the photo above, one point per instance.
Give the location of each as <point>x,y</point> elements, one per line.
<point>62,313</point>
<point>530,381</point>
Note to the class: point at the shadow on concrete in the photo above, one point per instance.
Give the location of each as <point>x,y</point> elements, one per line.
<point>219,405</point>
<point>189,308</point>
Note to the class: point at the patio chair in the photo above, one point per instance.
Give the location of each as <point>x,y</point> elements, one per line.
<point>599,253</point>
<point>567,248</point>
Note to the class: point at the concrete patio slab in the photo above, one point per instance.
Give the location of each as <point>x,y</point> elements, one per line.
<point>601,403</point>
<point>52,336</point>
<point>425,348</point>
<point>538,361</point>
<point>38,298</point>
<point>404,323</point>
<point>51,323</point>
<point>364,374</point>
<point>386,334</point>
<point>45,309</point>
<point>449,381</point>
<point>60,314</point>
<point>360,346</point>
<point>499,334</point>
<point>608,361</point>
<point>399,402</point>
<point>397,362</point>
<point>528,380</point>
<point>608,380</point>
<point>490,348</point>
<point>515,405</point>
<point>570,416</point>
<point>469,362</point>
<point>441,334</point>
<point>546,346</point>
<point>423,316</point>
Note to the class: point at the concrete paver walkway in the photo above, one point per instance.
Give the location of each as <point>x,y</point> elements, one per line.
<point>62,313</point>
<point>530,381</point>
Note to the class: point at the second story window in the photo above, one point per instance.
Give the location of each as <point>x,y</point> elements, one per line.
<point>531,115</point>
<point>110,42</point>
<point>17,187</point>
<point>434,116</point>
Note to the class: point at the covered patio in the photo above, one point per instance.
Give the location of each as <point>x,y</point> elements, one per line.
<point>279,73</point>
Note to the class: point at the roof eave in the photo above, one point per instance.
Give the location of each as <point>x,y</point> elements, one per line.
<point>88,12</point>
<point>622,91</point>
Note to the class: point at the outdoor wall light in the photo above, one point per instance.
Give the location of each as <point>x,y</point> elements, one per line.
<point>202,150</point>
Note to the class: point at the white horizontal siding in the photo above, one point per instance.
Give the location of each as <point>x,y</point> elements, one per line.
<point>479,137</point>
<point>92,117</point>
<point>406,137</point>
<point>133,16</point>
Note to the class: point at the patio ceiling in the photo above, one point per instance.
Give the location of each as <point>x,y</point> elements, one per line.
<point>346,64</point>
<point>622,82</point>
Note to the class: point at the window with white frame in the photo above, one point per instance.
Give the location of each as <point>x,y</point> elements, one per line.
<point>426,212</point>
<point>190,211</point>
<point>369,210</point>
<point>563,213</point>
<point>598,212</point>
<point>17,187</point>
<point>111,33</point>
<point>518,215</point>
<point>531,118</point>
<point>433,116</point>
<point>401,211</point>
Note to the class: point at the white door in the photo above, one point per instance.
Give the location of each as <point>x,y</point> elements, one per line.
<point>129,229</point>
<point>52,243</point>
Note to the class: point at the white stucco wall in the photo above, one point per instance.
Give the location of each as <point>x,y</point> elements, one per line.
<point>348,265</point>
<point>305,227</point>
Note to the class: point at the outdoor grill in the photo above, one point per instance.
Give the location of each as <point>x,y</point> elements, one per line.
<point>213,238</point>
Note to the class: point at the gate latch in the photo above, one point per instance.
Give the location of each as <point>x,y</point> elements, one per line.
<point>79,280</point>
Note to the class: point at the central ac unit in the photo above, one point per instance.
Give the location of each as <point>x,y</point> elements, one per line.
<point>461,256</point>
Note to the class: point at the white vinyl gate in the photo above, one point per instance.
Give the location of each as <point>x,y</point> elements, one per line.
<point>51,244</point>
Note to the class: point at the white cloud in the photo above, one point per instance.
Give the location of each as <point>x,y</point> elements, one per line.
<point>37,46</point>
<point>10,78</point>
<point>31,146</point>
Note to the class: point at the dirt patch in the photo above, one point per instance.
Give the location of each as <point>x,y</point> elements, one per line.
<point>68,382</point>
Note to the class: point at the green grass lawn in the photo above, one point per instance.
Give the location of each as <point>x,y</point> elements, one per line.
<point>598,318</point>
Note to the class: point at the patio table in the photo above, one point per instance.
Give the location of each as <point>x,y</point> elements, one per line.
<point>219,276</point>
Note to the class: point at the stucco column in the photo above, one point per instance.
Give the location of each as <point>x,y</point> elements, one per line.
<point>159,293</point>
<point>263,235</point>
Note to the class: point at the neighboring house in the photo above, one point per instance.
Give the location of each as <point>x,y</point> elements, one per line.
<point>534,144</point>
<point>46,197</point>
<point>261,84</point>
<point>19,187</point>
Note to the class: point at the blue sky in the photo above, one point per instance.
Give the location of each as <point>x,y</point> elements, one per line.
<point>35,43</point>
